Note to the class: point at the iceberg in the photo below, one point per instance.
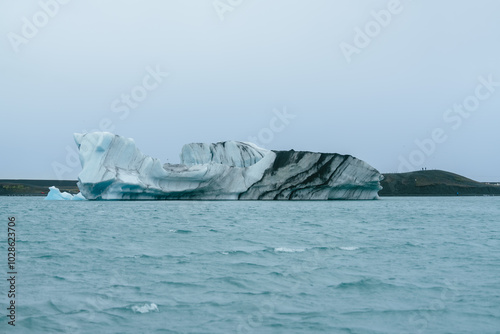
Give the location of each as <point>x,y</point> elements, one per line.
<point>113,168</point>
<point>56,195</point>
<point>145,308</point>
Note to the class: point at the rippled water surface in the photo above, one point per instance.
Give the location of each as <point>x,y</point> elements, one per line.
<point>397,265</point>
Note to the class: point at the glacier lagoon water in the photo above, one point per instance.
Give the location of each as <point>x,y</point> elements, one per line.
<point>397,265</point>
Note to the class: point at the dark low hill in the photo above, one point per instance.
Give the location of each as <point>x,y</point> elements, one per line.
<point>34,187</point>
<point>434,183</point>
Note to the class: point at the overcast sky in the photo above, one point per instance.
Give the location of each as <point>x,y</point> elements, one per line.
<point>401,86</point>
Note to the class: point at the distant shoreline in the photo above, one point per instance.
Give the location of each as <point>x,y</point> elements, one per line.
<point>435,183</point>
<point>24,187</point>
<point>418,183</point>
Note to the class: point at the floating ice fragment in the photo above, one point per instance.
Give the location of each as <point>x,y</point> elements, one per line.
<point>351,248</point>
<point>56,195</point>
<point>289,250</point>
<point>145,308</point>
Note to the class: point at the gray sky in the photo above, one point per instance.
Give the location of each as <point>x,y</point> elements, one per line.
<point>401,86</point>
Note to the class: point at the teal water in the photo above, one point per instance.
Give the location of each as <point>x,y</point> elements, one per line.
<point>397,265</point>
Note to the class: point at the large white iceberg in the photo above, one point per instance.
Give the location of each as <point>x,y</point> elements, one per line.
<point>113,168</point>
